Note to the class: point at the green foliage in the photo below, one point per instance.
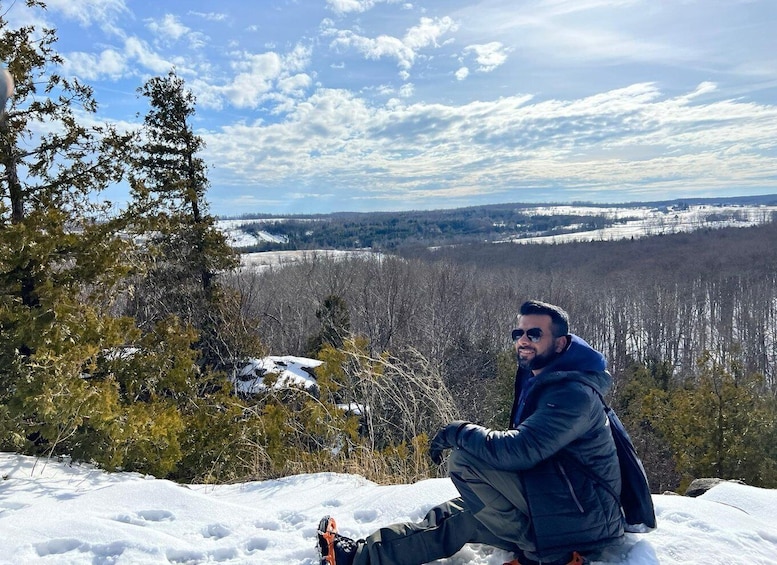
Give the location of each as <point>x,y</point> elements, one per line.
<point>718,425</point>
<point>184,252</point>
<point>632,395</point>
<point>215,441</point>
<point>51,405</point>
<point>499,401</point>
<point>76,377</point>
<point>149,439</point>
<point>335,324</point>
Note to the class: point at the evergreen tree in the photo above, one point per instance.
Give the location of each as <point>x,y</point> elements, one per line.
<point>186,251</point>
<point>76,378</point>
<point>60,254</point>
<point>718,425</point>
<point>335,324</point>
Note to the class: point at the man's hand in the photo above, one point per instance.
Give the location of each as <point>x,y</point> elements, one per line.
<point>445,439</point>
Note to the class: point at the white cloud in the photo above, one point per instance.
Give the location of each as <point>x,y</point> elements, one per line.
<point>489,55</point>
<point>210,16</point>
<point>462,73</point>
<point>89,66</point>
<point>168,28</point>
<point>406,90</point>
<point>377,48</point>
<point>428,31</point>
<point>270,77</point>
<point>704,88</point>
<point>347,6</point>
<point>256,77</point>
<point>404,50</point>
<point>295,85</point>
<point>618,137</point>
<point>298,59</point>
<point>135,48</point>
<point>88,12</point>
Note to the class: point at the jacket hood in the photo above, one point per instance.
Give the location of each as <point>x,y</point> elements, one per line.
<point>584,361</point>
<point>578,356</point>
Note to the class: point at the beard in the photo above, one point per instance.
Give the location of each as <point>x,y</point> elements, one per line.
<point>538,361</point>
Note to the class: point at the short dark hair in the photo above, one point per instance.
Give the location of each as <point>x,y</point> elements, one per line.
<point>558,316</point>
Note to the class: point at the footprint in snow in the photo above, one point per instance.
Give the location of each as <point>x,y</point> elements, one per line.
<point>257,544</point>
<point>363,516</point>
<point>143,517</point>
<point>184,556</point>
<point>216,531</point>
<point>57,546</point>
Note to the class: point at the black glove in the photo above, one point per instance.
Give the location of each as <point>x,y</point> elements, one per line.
<point>445,439</point>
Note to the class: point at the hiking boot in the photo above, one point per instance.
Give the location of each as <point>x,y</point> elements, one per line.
<point>334,548</point>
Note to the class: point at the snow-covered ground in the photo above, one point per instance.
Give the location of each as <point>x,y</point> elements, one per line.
<point>267,259</point>
<point>287,370</point>
<point>51,512</point>
<point>643,222</point>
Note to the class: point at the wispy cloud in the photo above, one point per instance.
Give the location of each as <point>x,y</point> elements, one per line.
<point>404,50</point>
<point>347,6</point>
<point>87,12</point>
<point>365,104</point>
<point>617,138</point>
<point>169,28</point>
<point>488,56</point>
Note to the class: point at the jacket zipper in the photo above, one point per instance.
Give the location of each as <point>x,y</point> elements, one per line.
<point>571,490</point>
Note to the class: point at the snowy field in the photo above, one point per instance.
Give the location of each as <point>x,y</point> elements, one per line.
<point>51,512</point>
<point>632,223</point>
<point>645,222</point>
<point>269,259</point>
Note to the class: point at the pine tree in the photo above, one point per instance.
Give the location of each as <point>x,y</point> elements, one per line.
<point>186,250</point>
<point>60,254</point>
<point>335,323</point>
<point>718,424</point>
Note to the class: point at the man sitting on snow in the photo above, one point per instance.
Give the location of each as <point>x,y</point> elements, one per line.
<point>544,489</point>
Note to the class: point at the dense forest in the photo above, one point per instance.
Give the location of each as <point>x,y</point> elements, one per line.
<point>121,331</point>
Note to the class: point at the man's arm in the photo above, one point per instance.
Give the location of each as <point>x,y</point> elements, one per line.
<point>563,414</point>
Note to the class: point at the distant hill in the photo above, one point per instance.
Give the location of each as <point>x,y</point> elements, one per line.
<point>513,222</point>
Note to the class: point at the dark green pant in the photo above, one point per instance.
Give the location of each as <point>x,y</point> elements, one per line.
<point>491,510</point>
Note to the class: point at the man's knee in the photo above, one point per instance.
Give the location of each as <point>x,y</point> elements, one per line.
<point>459,460</point>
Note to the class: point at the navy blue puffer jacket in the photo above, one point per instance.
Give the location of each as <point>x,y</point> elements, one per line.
<point>560,428</point>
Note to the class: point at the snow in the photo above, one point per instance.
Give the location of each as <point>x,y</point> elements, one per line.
<point>270,259</point>
<point>289,370</point>
<point>55,512</point>
<point>646,221</point>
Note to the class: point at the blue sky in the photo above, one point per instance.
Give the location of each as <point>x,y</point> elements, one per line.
<point>314,106</point>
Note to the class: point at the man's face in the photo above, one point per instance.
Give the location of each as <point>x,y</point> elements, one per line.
<point>536,355</point>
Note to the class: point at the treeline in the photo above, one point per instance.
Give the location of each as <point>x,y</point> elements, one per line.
<point>686,321</point>
<point>383,231</point>
<point>393,231</point>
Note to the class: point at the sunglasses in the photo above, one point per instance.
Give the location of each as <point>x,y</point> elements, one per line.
<point>534,334</point>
